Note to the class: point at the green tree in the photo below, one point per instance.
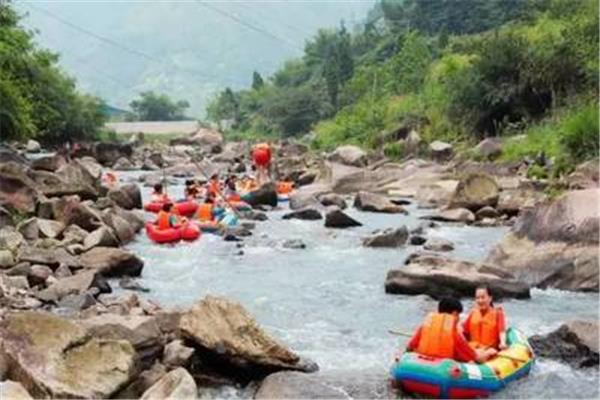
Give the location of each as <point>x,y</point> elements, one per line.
<point>257,81</point>
<point>409,66</point>
<point>158,107</point>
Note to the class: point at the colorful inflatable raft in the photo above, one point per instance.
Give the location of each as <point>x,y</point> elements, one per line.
<point>446,378</point>
<point>188,231</point>
<point>184,208</point>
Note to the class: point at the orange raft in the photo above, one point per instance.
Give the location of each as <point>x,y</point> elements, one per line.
<point>184,208</point>
<point>187,231</point>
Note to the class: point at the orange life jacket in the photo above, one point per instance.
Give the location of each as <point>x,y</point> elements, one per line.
<point>162,220</point>
<point>483,329</point>
<point>437,335</point>
<point>213,187</point>
<point>284,187</point>
<point>205,212</point>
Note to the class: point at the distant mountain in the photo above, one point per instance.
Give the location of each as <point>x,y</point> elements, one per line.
<point>187,50</point>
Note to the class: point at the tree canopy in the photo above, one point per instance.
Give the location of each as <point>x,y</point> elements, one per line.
<point>158,107</point>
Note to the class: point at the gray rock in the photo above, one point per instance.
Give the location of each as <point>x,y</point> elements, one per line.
<point>475,191</point>
<point>128,283</point>
<point>296,385</point>
<point>63,271</point>
<point>77,302</point>
<point>127,196</point>
<point>102,236</point>
<point>33,146</point>
<point>575,343</point>
<point>21,269</point>
<point>437,244</point>
<point>123,164</point>
<point>417,240</point>
<point>486,212</point>
<point>441,151</point>
<point>332,199</point>
<point>388,238</point>
<point>112,262</point>
<point>177,384</point>
<point>305,214</point>
<point>76,284</point>
<point>366,201</point>
<point>293,244</point>
<point>453,215</point>
<point>336,218</point>
<point>489,148</point>
<point>176,354</point>
<point>349,155</point>
<point>38,275</point>
<point>7,259</point>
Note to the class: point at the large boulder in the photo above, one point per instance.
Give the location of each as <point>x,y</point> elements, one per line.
<point>436,194</point>
<point>206,138</point>
<point>17,191</point>
<point>307,196</point>
<point>388,238</point>
<point>575,343</point>
<point>55,358</point>
<point>265,195</point>
<point>230,335</point>
<point>123,164</point>
<point>10,155</point>
<point>585,176</point>
<point>511,201</point>
<point>125,229</point>
<point>349,155</point>
<point>175,385</point>
<point>34,228</point>
<point>107,153</point>
<point>554,244</point>
<point>33,146</point>
<point>476,191</point>
<point>50,257</point>
<point>127,196</point>
<point>336,218</point>
<point>296,385</point>
<point>71,211</point>
<point>78,180</point>
<point>111,261</point>
<point>176,354</point>
<point>332,199</point>
<point>366,201</point>
<point>439,276</point>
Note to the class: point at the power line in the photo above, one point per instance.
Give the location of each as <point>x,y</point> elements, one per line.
<point>113,42</point>
<point>250,26</point>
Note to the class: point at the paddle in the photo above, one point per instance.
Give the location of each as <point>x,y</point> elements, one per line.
<point>399,333</point>
<point>235,211</point>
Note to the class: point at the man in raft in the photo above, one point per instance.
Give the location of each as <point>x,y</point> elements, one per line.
<point>166,218</point>
<point>485,326</point>
<point>261,157</point>
<point>158,196</point>
<point>440,335</point>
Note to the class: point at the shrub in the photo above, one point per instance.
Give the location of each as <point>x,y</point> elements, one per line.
<point>394,151</point>
<point>580,136</point>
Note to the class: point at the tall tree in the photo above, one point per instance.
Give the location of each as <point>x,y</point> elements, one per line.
<point>257,81</point>
<point>158,107</point>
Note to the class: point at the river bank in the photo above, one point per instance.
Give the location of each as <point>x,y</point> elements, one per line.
<point>325,301</point>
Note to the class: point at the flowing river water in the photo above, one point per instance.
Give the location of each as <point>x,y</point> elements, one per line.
<point>327,302</point>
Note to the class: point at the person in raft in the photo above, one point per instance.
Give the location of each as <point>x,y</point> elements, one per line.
<point>213,187</point>
<point>191,190</point>
<point>441,336</point>
<point>158,196</point>
<point>485,326</point>
<point>205,210</point>
<point>166,218</point>
<point>231,193</point>
<point>261,157</point>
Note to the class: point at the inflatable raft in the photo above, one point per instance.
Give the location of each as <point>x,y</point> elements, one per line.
<point>184,208</point>
<point>188,231</point>
<point>446,378</point>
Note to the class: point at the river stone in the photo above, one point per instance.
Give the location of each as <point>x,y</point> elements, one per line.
<point>55,357</point>
<point>13,391</point>
<point>77,302</point>
<point>366,201</point>
<point>176,354</point>
<point>76,284</point>
<point>575,343</point>
<point>453,215</point>
<point>112,262</point>
<point>417,240</point>
<point>127,196</point>
<point>336,218</point>
<point>307,177</point>
<point>486,212</point>
<point>436,244</point>
<point>265,195</point>
<point>38,274</point>
<point>70,210</point>
<point>296,385</point>
<point>123,164</point>
<point>17,190</point>
<point>230,334</point>
<point>33,146</point>
<point>305,214</point>
<point>7,260</point>
<point>175,385</point>
<point>302,198</point>
<point>476,191</point>
<point>439,276</point>
<point>293,244</point>
<point>74,234</point>
<point>50,257</point>
<point>48,163</point>
<point>388,238</point>
<point>489,148</point>
<point>349,155</point>
<point>102,236</point>
<point>440,151</point>
<point>332,199</point>
<point>511,201</point>
<point>554,244</point>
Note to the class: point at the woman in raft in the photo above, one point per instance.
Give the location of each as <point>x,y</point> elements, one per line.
<point>485,326</point>
<point>166,218</point>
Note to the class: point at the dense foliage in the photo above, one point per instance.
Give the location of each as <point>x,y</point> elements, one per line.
<point>157,107</point>
<point>453,70</point>
<point>36,98</point>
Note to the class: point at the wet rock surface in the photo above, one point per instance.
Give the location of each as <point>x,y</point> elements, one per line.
<point>575,343</point>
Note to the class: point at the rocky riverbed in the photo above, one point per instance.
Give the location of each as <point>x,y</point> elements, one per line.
<point>364,245</point>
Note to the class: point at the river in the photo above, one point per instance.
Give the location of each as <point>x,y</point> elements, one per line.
<point>327,302</point>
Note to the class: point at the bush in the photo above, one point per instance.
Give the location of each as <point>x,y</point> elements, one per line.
<point>537,172</point>
<point>580,136</point>
<point>395,151</point>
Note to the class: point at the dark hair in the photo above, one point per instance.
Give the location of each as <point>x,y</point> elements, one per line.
<point>209,200</point>
<point>449,305</point>
<point>189,182</point>
<point>158,187</point>
<point>215,176</point>
<point>167,206</point>
<point>488,290</point>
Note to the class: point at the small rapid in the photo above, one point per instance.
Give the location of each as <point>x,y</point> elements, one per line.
<point>327,302</point>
